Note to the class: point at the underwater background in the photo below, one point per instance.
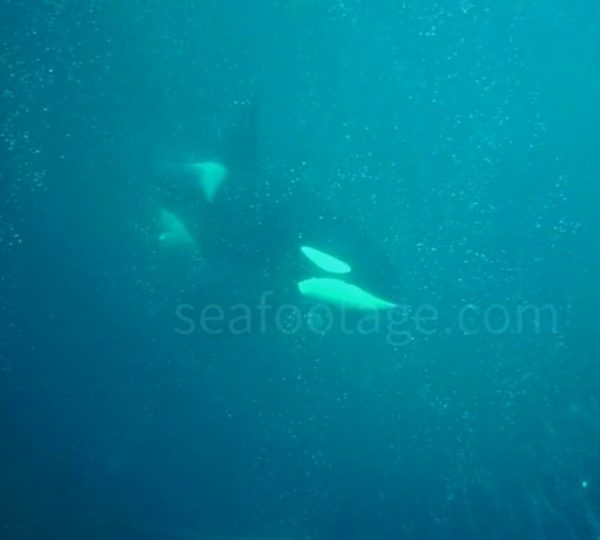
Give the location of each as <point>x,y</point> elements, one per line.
<point>455,142</point>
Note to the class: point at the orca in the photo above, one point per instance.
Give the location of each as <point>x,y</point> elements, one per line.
<point>256,227</point>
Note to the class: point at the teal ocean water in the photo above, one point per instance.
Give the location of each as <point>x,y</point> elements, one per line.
<point>173,366</point>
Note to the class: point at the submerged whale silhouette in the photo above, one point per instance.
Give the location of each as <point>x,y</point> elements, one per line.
<point>252,226</point>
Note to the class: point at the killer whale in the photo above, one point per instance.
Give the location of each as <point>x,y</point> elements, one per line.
<point>255,226</point>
